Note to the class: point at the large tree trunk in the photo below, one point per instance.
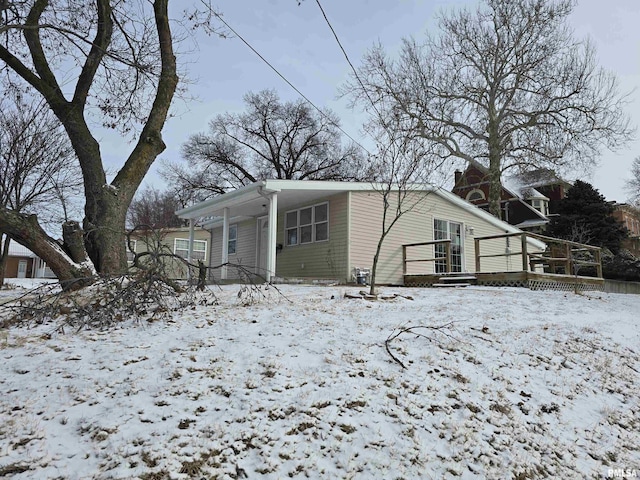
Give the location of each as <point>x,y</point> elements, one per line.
<point>106,204</point>
<point>24,229</point>
<point>495,164</point>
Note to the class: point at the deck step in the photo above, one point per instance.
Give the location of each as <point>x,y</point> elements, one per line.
<point>450,285</point>
<point>458,277</point>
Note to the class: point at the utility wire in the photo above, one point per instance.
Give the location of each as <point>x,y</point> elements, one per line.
<point>288,82</point>
<point>355,72</point>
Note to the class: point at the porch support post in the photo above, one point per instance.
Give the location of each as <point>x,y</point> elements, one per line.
<point>271,242</point>
<point>190,250</point>
<point>225,243</point>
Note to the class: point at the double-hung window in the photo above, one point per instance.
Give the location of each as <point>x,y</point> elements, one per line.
<point>232,244</point>
<point>307,225</point>
<point>181,248</point>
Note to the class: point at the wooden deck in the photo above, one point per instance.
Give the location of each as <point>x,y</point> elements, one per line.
<point>556,268</point>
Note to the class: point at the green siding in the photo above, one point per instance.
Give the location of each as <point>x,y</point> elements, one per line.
<point>245,255</point>
<point>319,259</point>
<point>175,268</point>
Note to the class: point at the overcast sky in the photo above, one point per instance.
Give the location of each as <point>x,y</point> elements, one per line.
<point>298,42</point>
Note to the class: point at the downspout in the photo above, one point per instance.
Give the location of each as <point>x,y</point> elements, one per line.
<point>225,243</point>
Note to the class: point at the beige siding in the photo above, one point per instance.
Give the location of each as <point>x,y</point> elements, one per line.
<point>175,268</point>
<point>320,259</point>
<point>245,255</point>
<point>417,226</point>
<point>366,228</point>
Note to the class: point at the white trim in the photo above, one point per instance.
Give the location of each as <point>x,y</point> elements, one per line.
<point>225,243</point>
<point>348,265</point>
<point>258,245</point>
<point>195,242</point>
<point>299,226</point>
<point>232,227</point>
<point>475,190</point>
<point>273,231</point>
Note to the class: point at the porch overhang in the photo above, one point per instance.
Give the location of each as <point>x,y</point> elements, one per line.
<point>260,199</point>
<point>250,200</point>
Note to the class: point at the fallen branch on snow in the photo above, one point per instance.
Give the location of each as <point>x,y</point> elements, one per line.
<point>415,330</point>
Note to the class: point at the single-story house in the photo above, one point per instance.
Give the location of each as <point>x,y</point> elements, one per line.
<point>172,240</point>
<point>23,263</point>
<point>292,229</point>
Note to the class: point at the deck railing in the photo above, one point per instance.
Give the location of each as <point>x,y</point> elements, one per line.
<point>446,257</point>
<point>559,255</point>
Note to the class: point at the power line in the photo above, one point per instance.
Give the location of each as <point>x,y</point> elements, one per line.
<point>288,82</point>
<point>355,72</point>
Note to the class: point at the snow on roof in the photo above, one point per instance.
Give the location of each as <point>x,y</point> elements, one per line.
<point>17,250</point>
<point>516,185</point>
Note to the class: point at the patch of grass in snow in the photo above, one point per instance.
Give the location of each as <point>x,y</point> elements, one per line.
<point>13,469</point>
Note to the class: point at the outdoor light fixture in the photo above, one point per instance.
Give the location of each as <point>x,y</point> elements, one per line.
<point>469,230</point>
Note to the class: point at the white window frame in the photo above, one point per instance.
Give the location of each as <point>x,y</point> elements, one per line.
<point>196,250</point>
<point>233,241</point>
<point>541,205</point>
<point>298,227</point>
<point>475,190</point>
<point>131,254</point>
<point>448,224</point>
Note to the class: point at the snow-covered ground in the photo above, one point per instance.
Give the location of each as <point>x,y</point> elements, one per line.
<point>523,385</point>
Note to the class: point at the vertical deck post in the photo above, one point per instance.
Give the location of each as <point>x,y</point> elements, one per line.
<point>404,259</point>
<point>568,269</point>
<point>598,259</point>
<point>477,252</point>
<point>525,255</point>
<point>448,253</point>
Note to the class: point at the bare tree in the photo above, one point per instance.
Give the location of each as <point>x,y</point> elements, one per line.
<point>507,85</point>
<point>271,139</point>
<point>404,165</point>
<point>155,208</point>
<point>633,184</point>
<point>107,63</point>
<point>38,171</point>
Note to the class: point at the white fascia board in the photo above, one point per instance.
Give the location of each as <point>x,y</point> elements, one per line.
<point>330,185</point>
<point>236,197</point>
<point>251,192</point>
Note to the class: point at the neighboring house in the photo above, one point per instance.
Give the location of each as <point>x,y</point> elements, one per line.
<point>294,229</point>
<point>527,200</point>
<point>23,263</point>
<point>175,241</point>
<point>629,216</point>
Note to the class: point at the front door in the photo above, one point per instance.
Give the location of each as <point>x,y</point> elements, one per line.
<point>442,230</point>
<point>263,243</point>
<point>22,269</point>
